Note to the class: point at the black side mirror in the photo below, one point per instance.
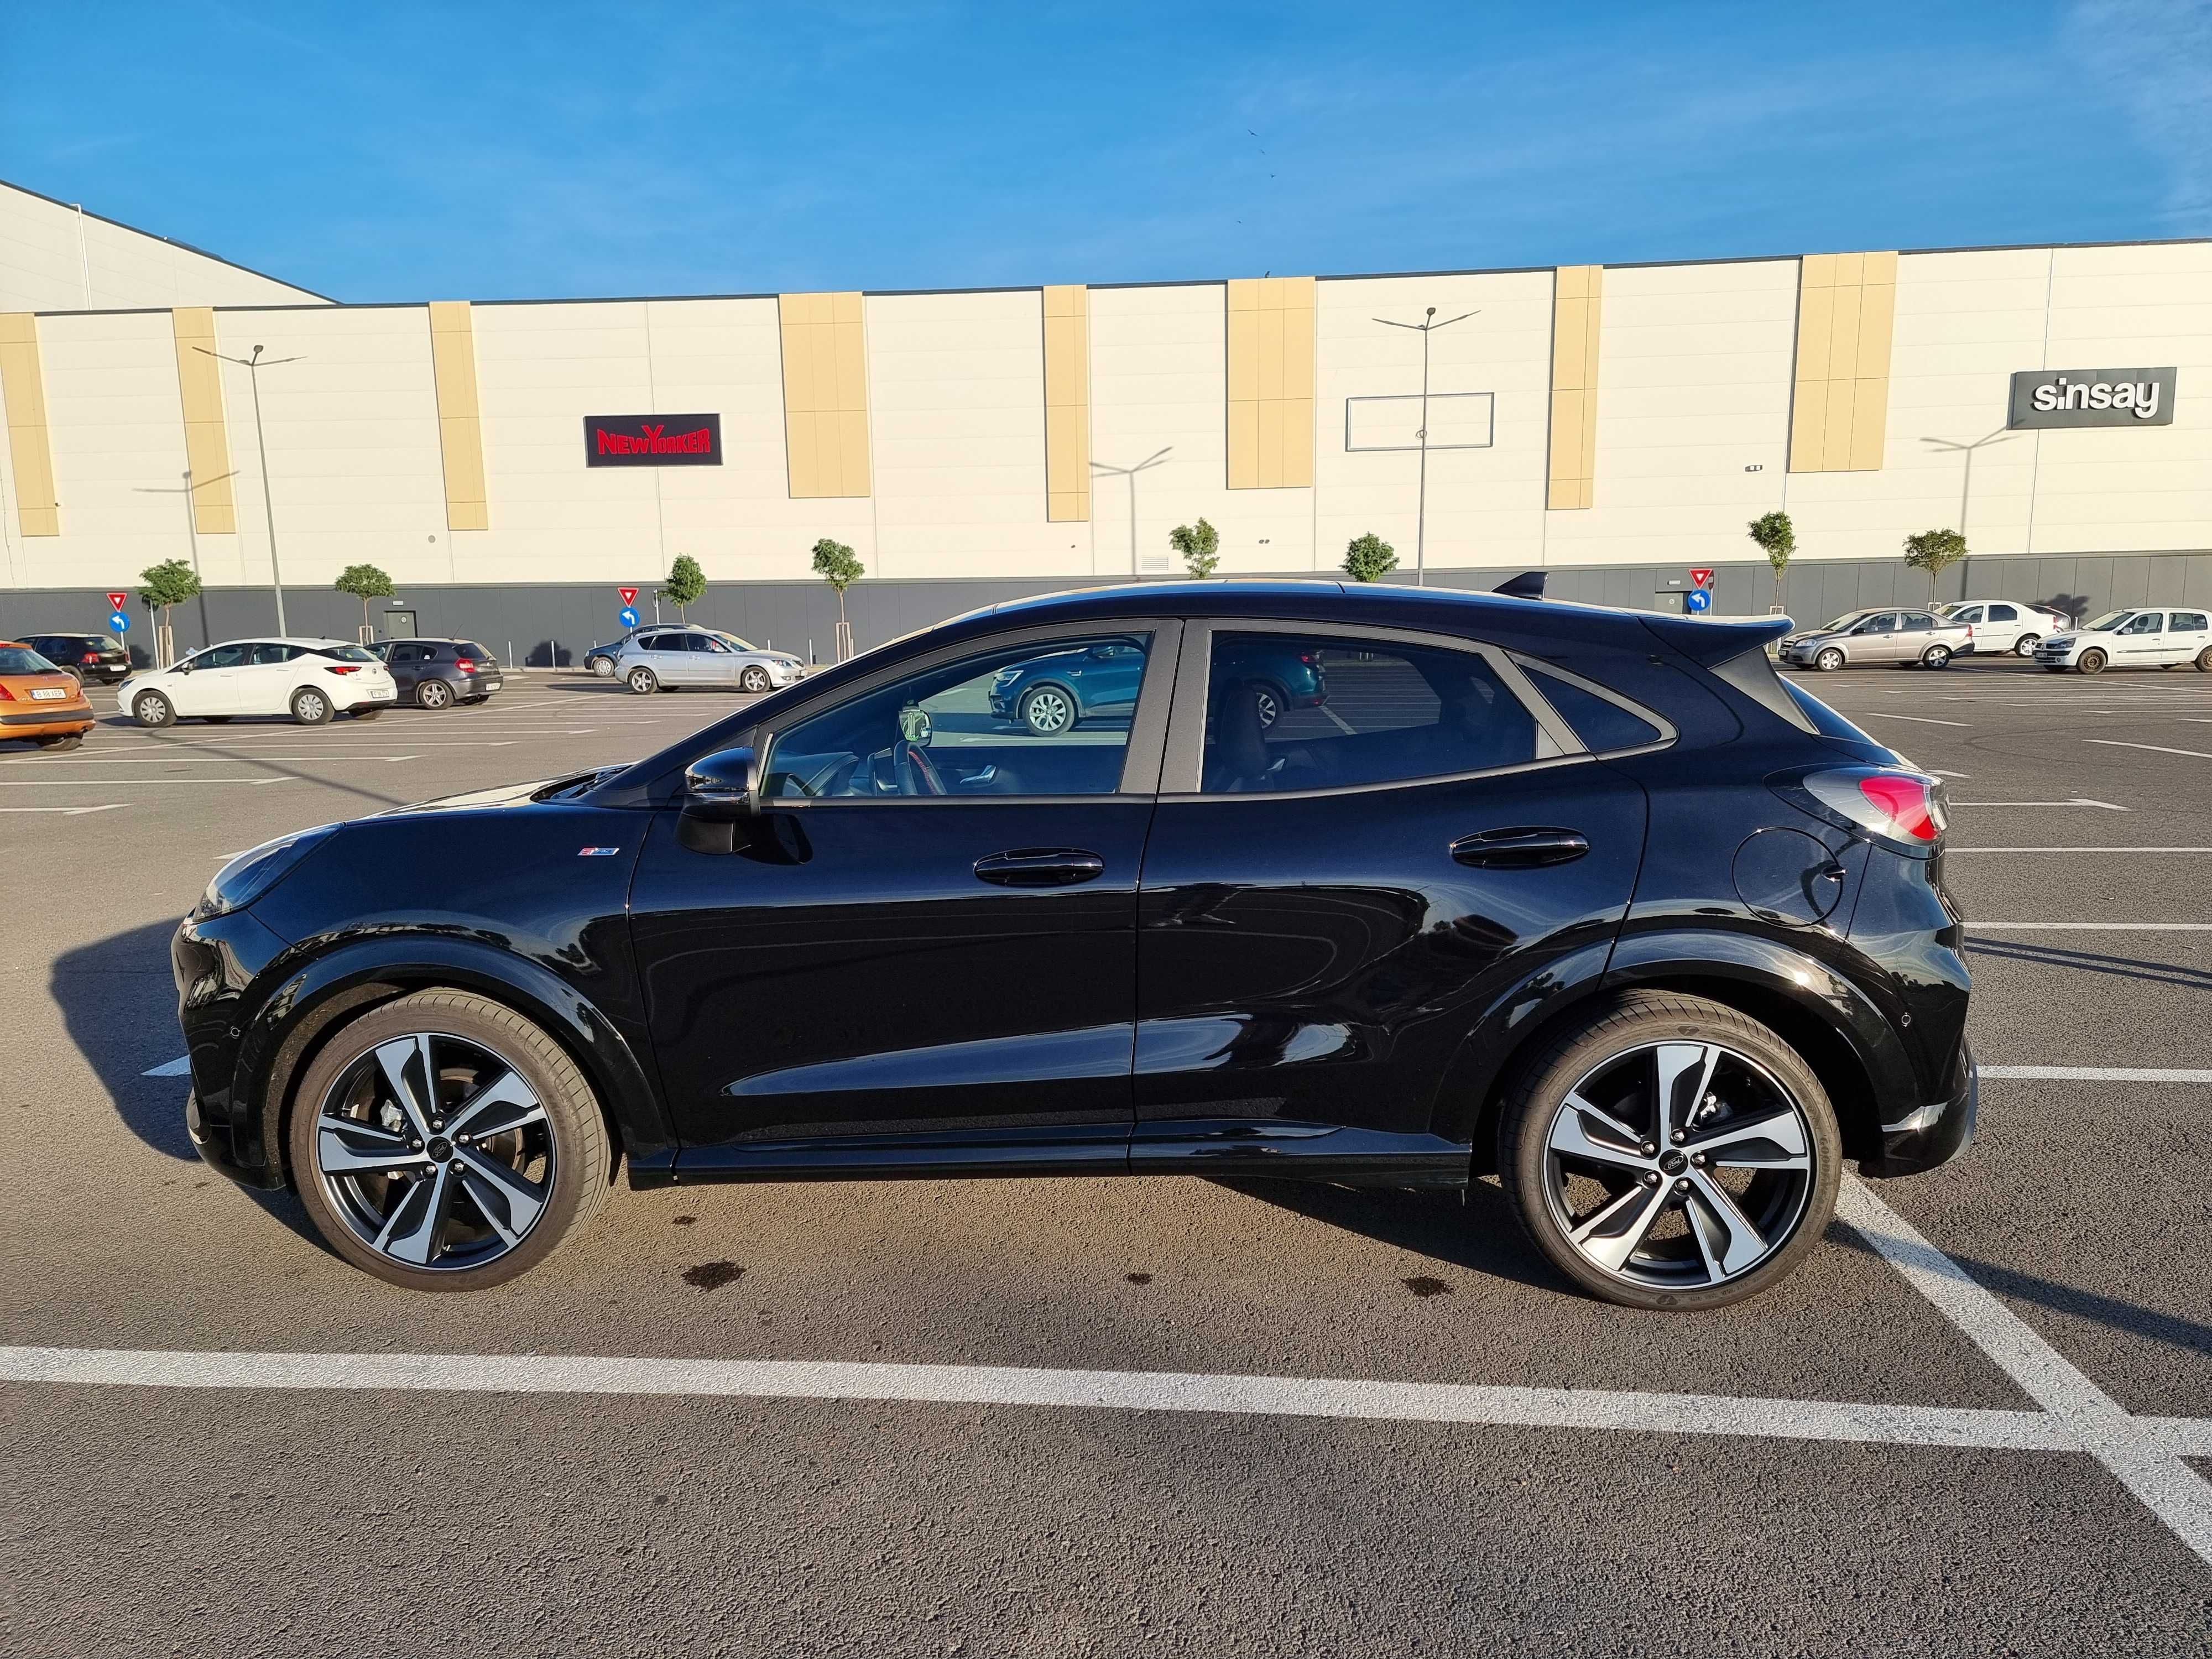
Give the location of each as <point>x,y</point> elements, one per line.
<point>722,788</point>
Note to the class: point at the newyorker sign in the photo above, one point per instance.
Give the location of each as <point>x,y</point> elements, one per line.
<point>2092,397</point>
<point>652,440</point>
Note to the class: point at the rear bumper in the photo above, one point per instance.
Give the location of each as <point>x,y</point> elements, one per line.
<point>45,721</point>
<point>1934,1135</point>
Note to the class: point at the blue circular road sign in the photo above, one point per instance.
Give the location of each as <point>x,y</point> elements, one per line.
<point>1698,599</point>
<point>628,615</point>
<point>119,622</point>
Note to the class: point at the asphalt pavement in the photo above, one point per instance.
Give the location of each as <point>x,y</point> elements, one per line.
<point>1078,1416</point>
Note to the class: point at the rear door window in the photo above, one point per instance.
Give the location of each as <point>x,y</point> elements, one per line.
<point>2004,613</point>
<point>2188,621</point>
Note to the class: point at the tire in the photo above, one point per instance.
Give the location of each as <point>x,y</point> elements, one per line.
<point>62,745</point>
<point>2091,662</point>
<point>311,707</point>
<point>643,682</point>
<point>1047,711</point>
<point>2204,660</point>
<point>2024,646</point>
<point>432,694</point>
<point>1935,656</point>
<point>754,678</point>
<point>603,668</point>
<point>550,1153</point>
<point>1272,700</point>
<point>1830,660</point>
<point>152,710</point>
<point>1779,1205</point>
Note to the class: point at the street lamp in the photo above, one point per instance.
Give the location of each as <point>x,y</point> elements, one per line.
<point>255,364</point>
<point>1130,473</point>
<point>1426,326</point>
<point>1966,484</point>
<point>192,535</point>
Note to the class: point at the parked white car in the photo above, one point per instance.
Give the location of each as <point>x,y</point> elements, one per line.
<point>2003,625</point>
<point>2136,637</point>
<point>310,680</point>
<point>662,659</point>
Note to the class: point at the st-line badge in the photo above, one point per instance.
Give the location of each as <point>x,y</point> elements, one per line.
<point>652,440</point>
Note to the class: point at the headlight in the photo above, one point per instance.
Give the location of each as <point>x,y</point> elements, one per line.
<point>256,869</point>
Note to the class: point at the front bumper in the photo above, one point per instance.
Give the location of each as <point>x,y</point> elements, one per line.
<point>1936,1133</point>
<point>213,960</point>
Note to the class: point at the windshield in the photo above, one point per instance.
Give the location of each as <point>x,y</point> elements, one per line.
<point>741,643</point>
<point>1841,622</point>
<point>21,659</point>
<point>347,653</point>
<point>2108,622</point>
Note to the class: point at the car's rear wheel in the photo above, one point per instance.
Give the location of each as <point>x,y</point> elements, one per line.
<point>2204,660</point>
<point>433,693</point>
<point>2092,662</point>
<point>2024,646</point>
<point>1047,711</point>
<point>67,740</point>
<point>1935,656</point>
<point>1829,660</point>
<point>1671,1152</point>
<point>644,681</point>
<point>602,667</point>
<point>151,708</point>
<point>310,706</point>
<point>443,1142</point>
<point>754,678</point>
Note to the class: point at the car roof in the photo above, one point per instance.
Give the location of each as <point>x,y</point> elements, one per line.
<point>308,640</point>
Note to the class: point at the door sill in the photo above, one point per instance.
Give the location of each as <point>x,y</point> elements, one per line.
<point>1298,1151</point>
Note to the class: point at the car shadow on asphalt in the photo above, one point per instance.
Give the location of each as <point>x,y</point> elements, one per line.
<point>2093,962</point>
<point>119,1006</point>
<point>1477,1231</point>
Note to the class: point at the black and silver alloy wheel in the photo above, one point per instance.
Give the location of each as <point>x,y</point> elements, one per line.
<point>1048,711</point>
<point>443,1142</point>
<point>1675,1154</point>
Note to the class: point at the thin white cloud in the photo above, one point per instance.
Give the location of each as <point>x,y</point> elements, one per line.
<point>2154,58</point>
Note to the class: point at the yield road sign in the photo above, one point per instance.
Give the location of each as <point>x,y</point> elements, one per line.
<point>1702,578</point>
<point>628,618</point>
<point>629,596</point>
<point>120,622</point>
<point>117,601</point>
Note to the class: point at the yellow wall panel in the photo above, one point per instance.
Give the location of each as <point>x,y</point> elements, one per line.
<point>825,393</point>
<point>1068,404</point>
<point>1578,318</point>
<point>207,435</point>
<point>1271,382</point>
<point>23,390</point>
<point>1846,317</point>
<point>460,424</point>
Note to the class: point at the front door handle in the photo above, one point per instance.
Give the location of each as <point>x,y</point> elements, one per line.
<point>1519,849</point>
<point>1041,866</point>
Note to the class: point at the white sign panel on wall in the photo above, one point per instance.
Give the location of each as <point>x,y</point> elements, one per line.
<point>1457,420</point>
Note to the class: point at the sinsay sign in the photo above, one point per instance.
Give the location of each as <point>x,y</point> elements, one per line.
<point>2092,397</point>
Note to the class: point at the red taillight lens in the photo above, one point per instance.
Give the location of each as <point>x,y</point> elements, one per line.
<point>466,665</point>
<point>91,656</point>
<point>6,695</point>
<point>341,668</point>
<point>1906,802</point>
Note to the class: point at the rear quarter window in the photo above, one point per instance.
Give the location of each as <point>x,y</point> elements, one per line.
<point>1602,724</point>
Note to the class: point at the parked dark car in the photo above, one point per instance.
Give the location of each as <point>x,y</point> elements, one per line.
<point>90,657</point>
<point>1053,692</point>
<point>1587,898</point>
<point>439,673</point>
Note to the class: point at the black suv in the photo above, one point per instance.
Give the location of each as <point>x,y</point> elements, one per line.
<point>90,657</point>
<point>1588,898</point>
<point>439,673</point>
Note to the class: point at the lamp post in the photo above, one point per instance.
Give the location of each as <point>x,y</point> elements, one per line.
<point>1966,484</point>
<point>1130,473</point>
<point>192,536</point>
<point>1426,326</point>
<point>254,365</point>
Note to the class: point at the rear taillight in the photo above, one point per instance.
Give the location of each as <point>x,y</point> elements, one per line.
<point>341,668</point>
<point>91,656</point>
<point>466,665</point>
<point>1892,803</point>
<point>6,695</point>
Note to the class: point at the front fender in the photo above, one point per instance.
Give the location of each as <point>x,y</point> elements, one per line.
<point>412,959</point>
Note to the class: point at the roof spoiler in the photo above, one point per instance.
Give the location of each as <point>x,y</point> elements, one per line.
<point>1528,585</point>
<point>1707,643</point>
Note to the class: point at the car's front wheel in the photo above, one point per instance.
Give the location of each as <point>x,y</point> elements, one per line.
<point>754,678</point>
<point>1671,1152</point>
<point>602,668</point>
<point>2091,662</point>
<point>1829,660</point>
<point>151,708</point>
<point>1048,711</point>
<point>443,1142</point>
<point>644,681</point>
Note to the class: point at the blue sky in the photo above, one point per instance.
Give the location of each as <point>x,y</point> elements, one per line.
<point>394,151</point>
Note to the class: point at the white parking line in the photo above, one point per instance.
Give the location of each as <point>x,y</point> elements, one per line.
<point>258,758</point>
<point>2155,748</point>
<point>1917,720</point>
<point>68,812</point>
<point>2096,1073</point>
<point>180,1067</point>
<point>2079,800</point>
<point>2090,927</point>
<point>134,783</point>
<point>2173,1491</point>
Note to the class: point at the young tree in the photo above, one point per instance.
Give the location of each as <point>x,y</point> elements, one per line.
<point>837,564</point>
<point>1778,538</point>
<point>685,583</point>
<point>1199,546</point>
<point>1369,558</point>
<point>1934,550</point>
<point>365,582</point>
<point>168,585</point>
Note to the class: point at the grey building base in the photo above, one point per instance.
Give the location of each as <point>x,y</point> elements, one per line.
<point>552,624</point>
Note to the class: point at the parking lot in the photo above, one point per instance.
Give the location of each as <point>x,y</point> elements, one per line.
<point>1087,1415</point>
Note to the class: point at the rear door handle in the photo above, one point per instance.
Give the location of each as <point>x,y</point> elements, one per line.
<point>1519,849</point>
<point>1041,866</point>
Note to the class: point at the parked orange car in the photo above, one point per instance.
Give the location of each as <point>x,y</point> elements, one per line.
<point>39,702</point>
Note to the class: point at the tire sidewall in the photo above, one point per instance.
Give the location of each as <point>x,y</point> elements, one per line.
<point>1830,660</point>
<point>642,682</point>
<point>1936,656</point>
<point>580,1159</point>
<point>1029,701</point>
<point>1535,1097</point>
<point>305,697</point>
<point>2091,662</point>
<point>754,680</point>
<point>433,693</point>
<point>168,715</point>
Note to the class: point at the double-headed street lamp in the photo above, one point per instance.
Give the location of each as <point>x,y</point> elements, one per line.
<point>1426,326</point>
<point>1130,473</point>
<point>255,364</point>
<point>2002,434</point>
<point>192,531</point>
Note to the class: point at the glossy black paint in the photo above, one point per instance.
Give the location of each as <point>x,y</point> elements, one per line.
<point>1333,983</point>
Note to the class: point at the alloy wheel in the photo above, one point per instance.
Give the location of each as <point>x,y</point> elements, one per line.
<point>2025,645</point>
<point>1047,711</point>
<point>434,1152</point>
<point>433,693</point>
<point>1678,1165</point>
<point>1829,660</point>
<point>755,679</point>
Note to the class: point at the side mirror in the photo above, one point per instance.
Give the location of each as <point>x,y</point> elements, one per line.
<point>722,788</point>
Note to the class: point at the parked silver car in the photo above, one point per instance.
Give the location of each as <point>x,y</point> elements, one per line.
<point>2003,625</point>
<point>665,658</point>
<point>1895,637</point>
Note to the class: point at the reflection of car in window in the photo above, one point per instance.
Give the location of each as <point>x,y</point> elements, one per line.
<point>1053,692</point>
